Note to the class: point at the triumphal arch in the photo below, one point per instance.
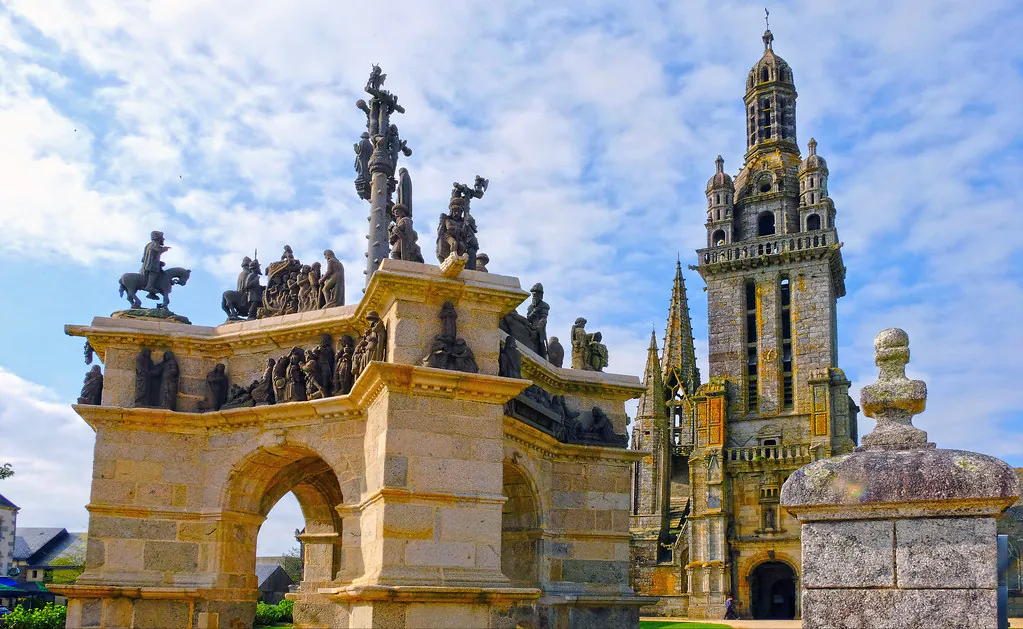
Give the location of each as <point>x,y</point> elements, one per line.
<point>432,496</point>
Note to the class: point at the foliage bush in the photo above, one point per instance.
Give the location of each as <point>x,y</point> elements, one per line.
<point>271,614</point>
<point>49,616</point>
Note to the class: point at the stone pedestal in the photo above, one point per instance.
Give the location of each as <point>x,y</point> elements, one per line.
<point>898,533</point>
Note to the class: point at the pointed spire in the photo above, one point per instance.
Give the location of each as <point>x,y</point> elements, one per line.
<point>720,163</point>
<point>651,404</point>
<point>679,368</point>
<point>812,145</point>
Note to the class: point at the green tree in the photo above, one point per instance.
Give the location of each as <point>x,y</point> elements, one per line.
<point>292,564</point>
<point>6,471</point>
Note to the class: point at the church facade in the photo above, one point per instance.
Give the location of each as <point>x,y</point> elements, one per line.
<point>706,520</point>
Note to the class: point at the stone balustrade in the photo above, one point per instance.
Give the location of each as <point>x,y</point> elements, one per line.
<point>795,453</point>
<point>768,245</point>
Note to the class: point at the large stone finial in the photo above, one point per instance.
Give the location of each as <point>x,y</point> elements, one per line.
<point>894,399</point>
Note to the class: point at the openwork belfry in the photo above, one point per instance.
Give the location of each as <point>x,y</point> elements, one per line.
<point>432,497</point>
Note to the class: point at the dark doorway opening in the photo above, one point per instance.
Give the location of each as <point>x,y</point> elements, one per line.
<point>773,591</point>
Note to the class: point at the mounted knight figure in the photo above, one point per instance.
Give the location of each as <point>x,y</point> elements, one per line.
<point>152,277</point>
<point>244,302</point>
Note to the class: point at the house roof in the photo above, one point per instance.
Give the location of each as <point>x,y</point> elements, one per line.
<point>265,571</point>
<point>39,547</point>
<point>7,504</point>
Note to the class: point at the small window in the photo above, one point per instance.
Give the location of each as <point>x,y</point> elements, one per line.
<point>770,442</point>
<point>718,238</point>
<point>765,224</point>
<point>813,222</point>
<point>717,198</point>
<point>765,186</point>
<point>764,75</point>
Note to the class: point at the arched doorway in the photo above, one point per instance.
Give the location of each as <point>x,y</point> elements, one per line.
<point>520,529</point>
<point>253,488</point>
<point>773,591</point>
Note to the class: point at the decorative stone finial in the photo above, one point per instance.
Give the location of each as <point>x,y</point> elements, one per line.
<point>812,145</point>
<point>894,399</point>
<point>720,163</point>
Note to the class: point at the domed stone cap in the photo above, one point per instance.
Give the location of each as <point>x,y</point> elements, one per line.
<point>720,180</point>
<point>813,161</point>
<point>908,483</point>
<point>778,69</point>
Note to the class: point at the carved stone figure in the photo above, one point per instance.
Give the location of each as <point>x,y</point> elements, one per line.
<point>343,378</point>
<point>243,303</point>
<point>263,391</point>
<point>146,374</point>
<point>311,371</point>
<point>555,352</point>
<point>216,390</point>
<point>404,190</point>
<point>332,285</point>
<point>509,361</point>
<point>482,260</point>
<point>92,388</point>
<point>363,151</point>
<point>456,232</point>
<point>152,267</point>
<point>308,289</point>
<point>536,314</point>
<point>325,364</point>
<point>597,353</point>
<point>448,351</point>
<point>281,295</point>
<point>294,388</point>
<point>280,380</point>
<point>373,345</point>
<point>239,397</point>
<point>580,345</point>
<point>169,373</point>
<point>601,426</point>
<point>403,237</point>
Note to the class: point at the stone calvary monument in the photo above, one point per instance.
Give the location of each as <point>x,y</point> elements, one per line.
<point>435,492</point>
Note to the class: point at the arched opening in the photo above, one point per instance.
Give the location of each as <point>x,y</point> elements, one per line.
<point>256,486</point>
<point>718,238</point>
<point>813,222</point>
<point>764,74</point>
<point>773,591</point>
<point>765,224</point>
<point>520,529</point>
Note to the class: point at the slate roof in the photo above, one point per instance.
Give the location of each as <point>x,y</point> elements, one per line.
<point>41,546</point>
<point>263,572</point>
<point>4,502</point>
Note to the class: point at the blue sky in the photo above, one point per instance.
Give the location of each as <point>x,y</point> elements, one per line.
<point>229,125</point>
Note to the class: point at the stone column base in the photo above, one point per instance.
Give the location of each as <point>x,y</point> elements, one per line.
<point>116,607</point>
<point>422,607</point>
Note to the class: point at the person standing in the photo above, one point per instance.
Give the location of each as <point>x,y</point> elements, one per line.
<point>730,613</point>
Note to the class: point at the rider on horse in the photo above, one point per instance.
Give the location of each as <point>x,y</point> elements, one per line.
<point>152,268</point>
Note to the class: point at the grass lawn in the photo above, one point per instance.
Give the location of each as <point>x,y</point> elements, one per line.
<point>660,624</point>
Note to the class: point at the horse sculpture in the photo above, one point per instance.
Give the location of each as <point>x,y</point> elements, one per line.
<point>134,282</point>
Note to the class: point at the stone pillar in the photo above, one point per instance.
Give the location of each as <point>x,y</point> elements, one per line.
<point>899,533</point>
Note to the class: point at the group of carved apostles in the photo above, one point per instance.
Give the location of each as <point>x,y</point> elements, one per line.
<point>300,375</point>
<point>291,287</point>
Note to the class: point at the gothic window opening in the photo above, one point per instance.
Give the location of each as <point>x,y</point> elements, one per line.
<point>781,117</point>
<point>718,238</point>
<point>765,224</point>
<point>813,222</point>
<point>786,342</point>
<point>765,75</point>
<point>765,119</point>
<point>751,346</point>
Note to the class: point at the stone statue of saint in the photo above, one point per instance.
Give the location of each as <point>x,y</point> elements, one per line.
<point>363,151</point>
<point>359,358</point>
<point>447,350</point>
<point>555,352</point>
<point>580,345</point>
<point>536,314</point>
<point>404,190</point>
<point>343,379</point>
<point>373,345</point>
<point>601,426</point>
<point>482,260</point>
<point>169,373</point>
<point>597,353</point>
<point>310,371</point>
<point>403,237</point>
<point>151,265</point>
<point>216,390</point>
<point>325,364</point>
<point>280,380</point>
<point>294,388</point>
<point>451,237</point>
<point>145,373</point>
<point>263,392</point>
<point>332,285</point>
<point>509,361</point>
<point>92,389</point>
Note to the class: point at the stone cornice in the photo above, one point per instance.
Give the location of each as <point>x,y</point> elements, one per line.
<point>420,381</point>
<point>429,594</point>
<point>395,281</point>
<point>597,384</point>
<point>528,438</point>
